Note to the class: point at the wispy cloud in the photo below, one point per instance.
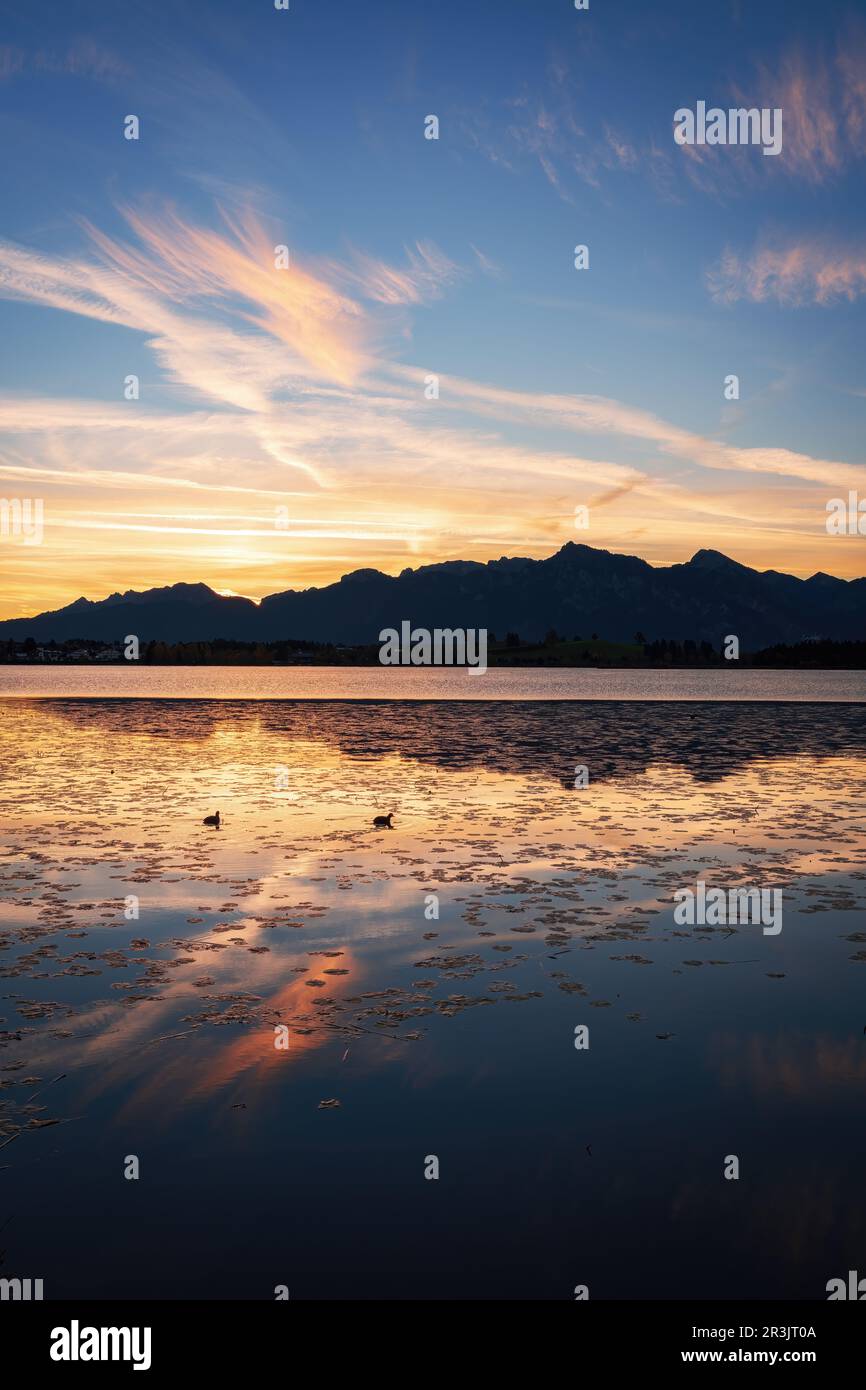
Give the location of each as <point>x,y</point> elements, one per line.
<point>487,264</point>
<point>808,272</point>
<point>192,266</point>
<point>623,151</point>
<point>823,100</point>
<point>822,97</point>
<point>238,267</point>
<point>602,416</point>
<point>84,58</point>
<point>426,275</point>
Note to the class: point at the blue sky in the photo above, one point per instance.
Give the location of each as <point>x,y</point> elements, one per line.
<point>304,389</point>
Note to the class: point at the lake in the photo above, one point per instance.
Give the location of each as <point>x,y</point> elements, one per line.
<point>429,981</point>
<point>396,683</point>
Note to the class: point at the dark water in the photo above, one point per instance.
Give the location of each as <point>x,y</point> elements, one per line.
<point>451,1038</point>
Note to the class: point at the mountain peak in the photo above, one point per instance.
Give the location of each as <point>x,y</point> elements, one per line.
<point>171,593</point>
<point>823,580</point>
<point>713,560</point>
<point>364,576</point>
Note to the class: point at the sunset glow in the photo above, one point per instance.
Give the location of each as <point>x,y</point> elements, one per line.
<point>282,430</point>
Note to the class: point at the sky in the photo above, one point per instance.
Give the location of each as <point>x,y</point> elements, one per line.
<point>423,374</point>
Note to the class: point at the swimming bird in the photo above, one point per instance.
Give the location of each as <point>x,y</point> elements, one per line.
<point>212,820</point>
<point>384,822</point>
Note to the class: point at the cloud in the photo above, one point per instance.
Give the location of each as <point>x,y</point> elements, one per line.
<point>808,272</point>
<point>487,264</point>
<point>69,285</point>
<point>237,268</point>
<point>12,61</point>
<point>822,98</point>
<point>812,129</point>
<point>187,265</point>
<point>603,416</point>
<point>851,64</point>
<point>84,58</point>
<point>823,103</point>
<point>531,129</point>
<point>213,360</point>
<point>623,152</point>
<point>613,494</point>
<point>426,275</point>
<point>822,95</point>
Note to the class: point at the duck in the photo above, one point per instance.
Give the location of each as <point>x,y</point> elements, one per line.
<point>384,822</point>
<point>212,820</point>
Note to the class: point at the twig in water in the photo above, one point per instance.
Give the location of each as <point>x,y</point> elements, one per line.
<point>61,1077</point>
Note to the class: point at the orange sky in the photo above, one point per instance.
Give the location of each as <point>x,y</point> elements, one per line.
<point>286,445</point>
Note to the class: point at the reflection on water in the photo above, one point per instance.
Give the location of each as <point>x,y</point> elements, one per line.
<point>449,1036</point>
<point>423,683</point>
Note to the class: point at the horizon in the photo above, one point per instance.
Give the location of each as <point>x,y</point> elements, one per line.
<point>287,269</point>
<point>203,583</point>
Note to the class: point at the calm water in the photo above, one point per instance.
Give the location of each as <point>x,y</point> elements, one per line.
<point>451,1037</point>
<point>395,683</point>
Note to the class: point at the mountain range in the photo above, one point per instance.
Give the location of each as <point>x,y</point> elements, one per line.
<point>577,591</point>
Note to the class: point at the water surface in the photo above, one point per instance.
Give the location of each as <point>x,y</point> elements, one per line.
<point>451,1038</point>
<point>414,683</point>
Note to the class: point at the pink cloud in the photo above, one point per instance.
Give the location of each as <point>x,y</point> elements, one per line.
<point>811,101</point>
<point>823,101</point>
<point>800,273</point>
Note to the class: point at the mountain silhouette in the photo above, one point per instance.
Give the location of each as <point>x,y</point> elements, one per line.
<point>577,591</point>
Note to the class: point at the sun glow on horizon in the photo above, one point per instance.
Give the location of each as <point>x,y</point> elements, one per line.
<point>217,411</point>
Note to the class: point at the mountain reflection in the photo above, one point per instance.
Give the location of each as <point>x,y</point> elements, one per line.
<point>614,739</point>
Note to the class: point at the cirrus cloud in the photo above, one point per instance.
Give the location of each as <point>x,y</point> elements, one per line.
<point>808,272</point>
